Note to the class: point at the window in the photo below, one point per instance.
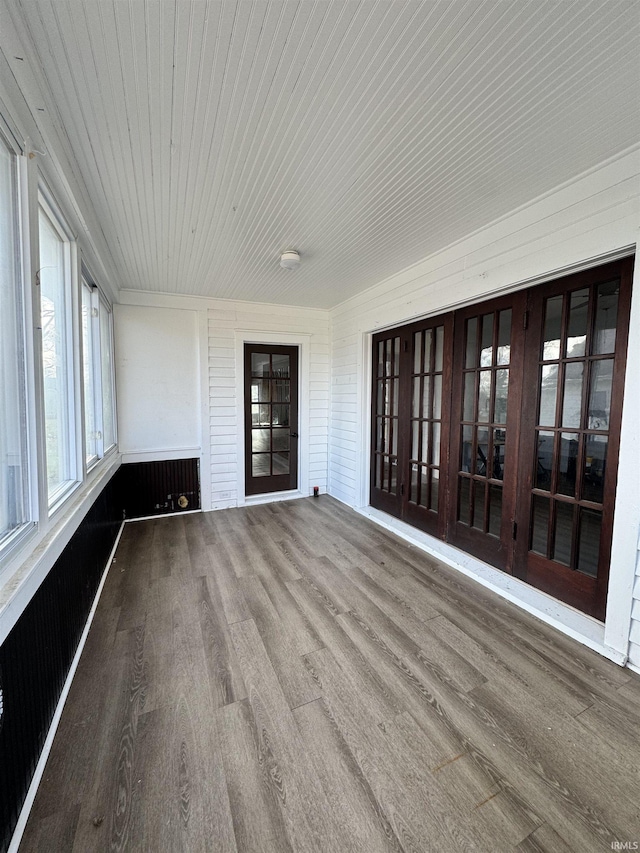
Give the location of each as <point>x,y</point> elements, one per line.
<point>496,428</point>
<point>56,312</point>
<point>106,363</point>
<point>13,423</point>
<point>97,356</point>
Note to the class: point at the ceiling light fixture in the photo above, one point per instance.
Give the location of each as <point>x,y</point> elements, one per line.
<point>290,260</point>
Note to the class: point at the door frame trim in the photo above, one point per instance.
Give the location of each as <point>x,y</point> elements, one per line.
<point>303,342</point>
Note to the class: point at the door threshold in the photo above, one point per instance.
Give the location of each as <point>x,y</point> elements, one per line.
<point>271,497</point>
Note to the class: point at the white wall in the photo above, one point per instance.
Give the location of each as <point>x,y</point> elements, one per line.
<point>230,325</point>
<point>578,224</point>
<point>180,384</point>
<point>157,382</point>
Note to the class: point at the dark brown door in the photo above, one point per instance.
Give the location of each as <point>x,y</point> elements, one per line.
<point>487,380</point>
<point>574,375</point>
<point>409,420</point>
<point>271,418</point>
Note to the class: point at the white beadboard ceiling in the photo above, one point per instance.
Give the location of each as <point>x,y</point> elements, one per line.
<point>210,136</point>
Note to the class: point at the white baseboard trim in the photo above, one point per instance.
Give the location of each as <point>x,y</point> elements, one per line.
<point>44,755</point>
<point>163,515</point>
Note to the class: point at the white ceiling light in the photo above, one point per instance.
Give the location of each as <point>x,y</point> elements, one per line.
<point>290,260</point>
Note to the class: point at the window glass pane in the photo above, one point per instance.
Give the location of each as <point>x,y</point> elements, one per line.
<point>106,364</point>
<point>417,352</point>
<point>439,347</point>
<point>428,336</point>
<point>425,441</point>
<point>435,445</point>
<point>589,542</point>
<point>595,464</point>
<point>463,500</point>
<point>13,430</point>
<point>435,486</point>
<point>504,337</point>
<point>472,342</point>
<point>495,510</point>
<point>477,505</point>
<point>600,394</point>
<point>544,461</point>
<point>280,439</point>
<point>568,463</point>
<point>88,376</point>
<point>260,440</point>
<point>540,525</point>
<point>437,397</point>
<point>413,486</point>
<point>548,394</point>
<point>482,451</point>
<point>498,454</point>
<point>57,368</point>
<point>502,389</point>
<point>484,395</point>
<point>259,364</point>
<point>577,332</point>
<point>467,438</point>
<point>260,415</point>
<point>426,398</point>
<point>260,464</point>
<point>552,328</point>
<point>469,396</point>
<point>572,403</point>
<point>415,437</point>
<point>606,317</point>
<point>279,366</point>
<point>564,530</point>
<point>415,398</point>
<point>486,349</point>
<point>281,390</point>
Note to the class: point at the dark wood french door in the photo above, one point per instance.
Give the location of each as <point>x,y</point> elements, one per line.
<point>271,418</point>
<point>496,428</point>
<point>409,420</point>
<point>574,370</point>
<point>486,392</point>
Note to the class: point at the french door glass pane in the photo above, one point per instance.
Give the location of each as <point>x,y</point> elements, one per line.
<point>600,394</point>
<point>578,315</point>
<point>606,317</point>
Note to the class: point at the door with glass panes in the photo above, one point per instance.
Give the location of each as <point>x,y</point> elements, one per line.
<point>271,418</point>
<point>409,419</point>
<point>572,407</point>
<point>496,427</point>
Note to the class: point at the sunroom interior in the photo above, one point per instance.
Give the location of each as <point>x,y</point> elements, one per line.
<point>344,555</point>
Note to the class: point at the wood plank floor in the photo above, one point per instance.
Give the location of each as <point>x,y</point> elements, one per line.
<point>290,677</point>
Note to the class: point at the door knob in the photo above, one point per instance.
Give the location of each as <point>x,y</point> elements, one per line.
<point>294,435</point>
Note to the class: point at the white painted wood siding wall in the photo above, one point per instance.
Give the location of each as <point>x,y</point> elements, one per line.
<point>224,321</point>
<point>586,219</point>
<point>634,637</point>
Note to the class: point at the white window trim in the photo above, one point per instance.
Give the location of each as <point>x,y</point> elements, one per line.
<point>18,538</point>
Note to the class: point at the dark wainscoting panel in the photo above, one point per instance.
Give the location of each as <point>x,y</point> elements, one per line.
<point>156,488</point>
<point>36,656</point>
